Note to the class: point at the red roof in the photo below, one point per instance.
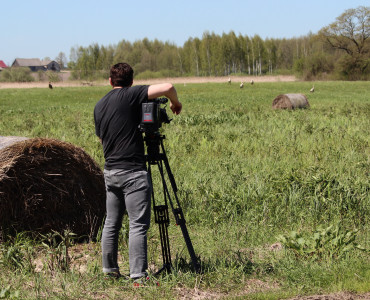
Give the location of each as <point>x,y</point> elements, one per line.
<point>2,64</point>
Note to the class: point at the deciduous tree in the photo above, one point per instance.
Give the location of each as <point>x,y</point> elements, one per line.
<point>351,33</point>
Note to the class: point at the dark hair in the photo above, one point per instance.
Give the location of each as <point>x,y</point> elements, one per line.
<point>121,74</point>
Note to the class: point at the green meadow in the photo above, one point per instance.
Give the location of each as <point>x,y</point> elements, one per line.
<point>277,202</point>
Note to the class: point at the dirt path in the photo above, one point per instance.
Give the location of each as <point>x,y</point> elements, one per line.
<point>180,80</point>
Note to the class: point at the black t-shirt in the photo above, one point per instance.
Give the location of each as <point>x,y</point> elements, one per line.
<point>117,117</point>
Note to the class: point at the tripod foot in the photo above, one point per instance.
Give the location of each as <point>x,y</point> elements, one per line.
<point>165,267</point>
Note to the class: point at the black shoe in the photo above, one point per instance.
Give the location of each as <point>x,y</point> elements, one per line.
<point>114,275</point>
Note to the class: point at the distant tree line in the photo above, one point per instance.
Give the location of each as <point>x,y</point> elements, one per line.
<point>338,51</point>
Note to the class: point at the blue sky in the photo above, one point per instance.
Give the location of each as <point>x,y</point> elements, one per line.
<point>40,28</point>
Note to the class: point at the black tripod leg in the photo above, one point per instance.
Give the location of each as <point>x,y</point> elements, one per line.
<point>162,218</point>
<point>179,216</point>
<point>181,221</point>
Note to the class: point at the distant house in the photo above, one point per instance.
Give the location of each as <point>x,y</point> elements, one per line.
<point>36,64</point>
<point>2,65</point>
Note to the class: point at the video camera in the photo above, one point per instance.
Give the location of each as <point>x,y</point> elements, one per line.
<point>153,115</point>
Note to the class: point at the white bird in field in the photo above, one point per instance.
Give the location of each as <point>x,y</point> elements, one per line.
<point>312,89</point>
<point>229,81</point>
<point>241,85</point>
<point>252,82</point>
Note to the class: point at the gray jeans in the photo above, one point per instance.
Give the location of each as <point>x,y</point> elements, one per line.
<point>131,191</point>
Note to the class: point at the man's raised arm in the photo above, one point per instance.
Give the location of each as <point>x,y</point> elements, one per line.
<point>167,90</point>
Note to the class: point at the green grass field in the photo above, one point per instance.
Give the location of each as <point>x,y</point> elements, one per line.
<point>249,177</point>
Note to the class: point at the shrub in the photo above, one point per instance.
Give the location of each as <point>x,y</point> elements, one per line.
<point>52,76</point>
<point>353,68</point>
<point>314,66</point>
<point>89,75</point>
<point>48,75</point>
<point>159,74</point>
<point>16,75</point>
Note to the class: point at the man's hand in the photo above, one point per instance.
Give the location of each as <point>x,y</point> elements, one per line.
<point>176,108</point>
<point>167,90</point>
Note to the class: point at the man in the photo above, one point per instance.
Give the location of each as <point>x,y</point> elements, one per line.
<point>117,117</point>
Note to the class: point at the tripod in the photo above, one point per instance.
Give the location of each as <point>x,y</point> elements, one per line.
<point>156,155</point>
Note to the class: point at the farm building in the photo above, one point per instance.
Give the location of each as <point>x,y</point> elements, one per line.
<point>2,65</point>
<point>36,64</point>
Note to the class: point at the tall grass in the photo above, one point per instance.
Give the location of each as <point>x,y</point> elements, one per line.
<point>246,174</point>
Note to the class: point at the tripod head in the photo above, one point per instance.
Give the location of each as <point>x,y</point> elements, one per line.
<point>153,143</point>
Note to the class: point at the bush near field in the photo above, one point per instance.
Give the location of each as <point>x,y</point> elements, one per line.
<point>16,75</point>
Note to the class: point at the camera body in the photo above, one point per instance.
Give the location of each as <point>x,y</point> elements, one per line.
<point>153,115</point>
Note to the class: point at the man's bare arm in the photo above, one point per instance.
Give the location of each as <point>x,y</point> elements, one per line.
<point>167,90</point>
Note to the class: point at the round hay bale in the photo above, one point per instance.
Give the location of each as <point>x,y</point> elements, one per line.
<point>47,185</point>
<point>290,101</point>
